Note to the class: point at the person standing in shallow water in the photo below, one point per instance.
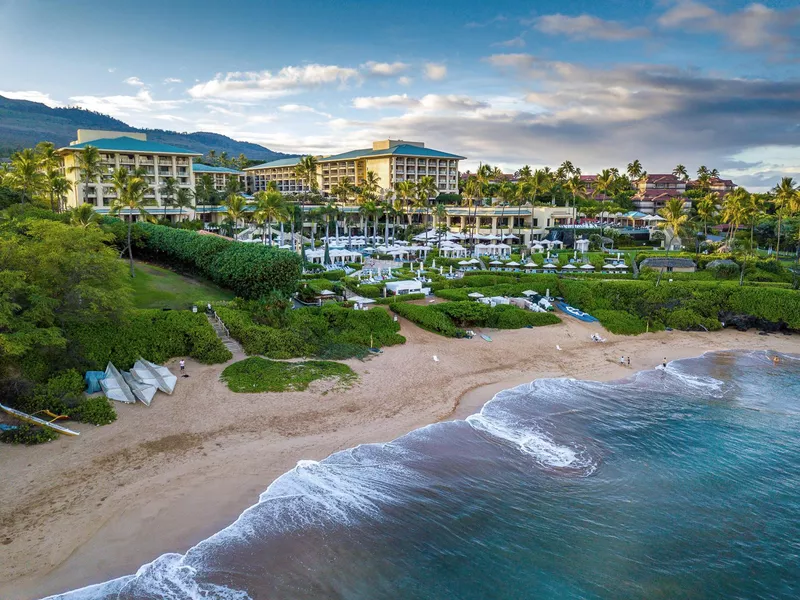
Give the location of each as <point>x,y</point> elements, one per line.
<point>664,364</point>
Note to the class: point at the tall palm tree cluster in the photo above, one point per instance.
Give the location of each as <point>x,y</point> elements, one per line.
<point>223,160</point>
<point>37,175</point>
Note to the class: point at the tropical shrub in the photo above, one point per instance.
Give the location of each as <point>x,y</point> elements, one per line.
<point>153,334</point>
<point>250,270</point>
<point>96,410</point>
<point>257,374</point>
<point>28,435</point>
<point>400,298</point>
<point>427,318</point>
<point>621,322</point>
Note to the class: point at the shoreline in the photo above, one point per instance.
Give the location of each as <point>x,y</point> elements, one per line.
<point>162,479</point>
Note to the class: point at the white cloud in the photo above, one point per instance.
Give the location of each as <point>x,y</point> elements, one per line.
<point>112,69</point>
<point>123,106</point>
<point>753,27</point>
<point>435,71</point>
<point>261,85</point>
<point>429,102</point>
<point>173,80</point>
<point>301,108</point>
<point>587,27</point>
<point>135,81</point>
<point>492,21</point>
<point>404,80</point>
<point>517,42</point>
<point>384,69</point>
<point>33,96</point>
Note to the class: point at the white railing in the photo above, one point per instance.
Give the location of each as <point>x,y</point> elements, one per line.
<point>222,323</point>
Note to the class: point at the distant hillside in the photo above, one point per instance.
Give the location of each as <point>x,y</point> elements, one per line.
<point>24,124</point>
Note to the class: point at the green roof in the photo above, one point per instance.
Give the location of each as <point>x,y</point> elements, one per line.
<point>201,168</point>
<point>398,150</point>
<point>128,144</point>
<point>283,162</point>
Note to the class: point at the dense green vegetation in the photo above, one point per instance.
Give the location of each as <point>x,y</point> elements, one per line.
<point>156,287</point>
<point>328,332</point>
<point>65,307</point>
<point>450,318</point>
<point>250,270</point>
<point>256,374</point>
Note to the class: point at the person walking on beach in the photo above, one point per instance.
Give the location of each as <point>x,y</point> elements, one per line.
<point>629,362</point>
<point>182,363</point>
<point>622,360</point>
<point>664,364</point>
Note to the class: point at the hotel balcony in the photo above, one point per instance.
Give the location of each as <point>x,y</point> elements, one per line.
<point>145,161</point>
<point>126,160</point>
<point>164,161</point>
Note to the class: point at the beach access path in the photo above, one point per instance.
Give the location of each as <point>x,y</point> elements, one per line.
<point>84,510</point>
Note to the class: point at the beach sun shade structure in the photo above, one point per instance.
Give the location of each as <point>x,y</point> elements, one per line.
<point>549,266</point>
<point>474,261</point>
<point>512,264</point>
<point>570,267</point>
<point>146,372</point>
<point>475,295</point>
<point>587,267</point>
<point>464,262</point>
<point>144,392</point>
<point>114,386</point>
<point>530,265</point>
<point>495,262</point>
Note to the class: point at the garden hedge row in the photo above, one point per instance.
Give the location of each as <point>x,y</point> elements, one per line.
<point>251,270</point>
<point>152,334</point>
<point>330,332</point>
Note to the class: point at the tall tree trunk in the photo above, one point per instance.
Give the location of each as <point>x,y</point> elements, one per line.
<point>280,238</point>
<point>778,247</point>
<point>130,247</point>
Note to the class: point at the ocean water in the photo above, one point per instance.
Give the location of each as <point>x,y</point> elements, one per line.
<point>673,484</point>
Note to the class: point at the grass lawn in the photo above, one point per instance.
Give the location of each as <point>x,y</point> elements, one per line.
<point>256,374</point>
<point>155,287</point>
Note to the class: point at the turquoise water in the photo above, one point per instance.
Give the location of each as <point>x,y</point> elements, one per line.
<point>681,483</point>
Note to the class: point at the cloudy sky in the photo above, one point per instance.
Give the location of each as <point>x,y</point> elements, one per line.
<point>714,82</point>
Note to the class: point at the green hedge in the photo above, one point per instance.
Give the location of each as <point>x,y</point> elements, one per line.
<point>477,314</point>
<point>250,270</point>
<point>400,298</point>
<point>427,318</point>
<point>329,331</point>
<point>621,322</point>
<point>152,334</point>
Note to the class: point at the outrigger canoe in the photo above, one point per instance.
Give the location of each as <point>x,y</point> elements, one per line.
<point>37,421</point>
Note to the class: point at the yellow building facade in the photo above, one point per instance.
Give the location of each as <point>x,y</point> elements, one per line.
<point>124,149</point>
<point>392,161</point>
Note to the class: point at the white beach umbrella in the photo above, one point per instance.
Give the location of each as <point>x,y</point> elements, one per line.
<point>587,267</point>
<point>475,295</point>
<point>495,262</point>
<point>512,264</point>
<point>549,266</point>
<point>530,265</point>
<point>568,267</point>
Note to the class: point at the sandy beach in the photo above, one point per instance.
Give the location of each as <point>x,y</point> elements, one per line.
<point>160,479</point>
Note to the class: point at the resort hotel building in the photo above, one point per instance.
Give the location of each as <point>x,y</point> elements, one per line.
<point>220,176</point>
<point>392,161</point>
<point>130,150</point>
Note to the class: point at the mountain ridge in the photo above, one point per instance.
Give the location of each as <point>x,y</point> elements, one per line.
<point>24,123</point>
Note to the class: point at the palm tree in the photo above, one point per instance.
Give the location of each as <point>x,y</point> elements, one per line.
<point>577,187</point>
<point>205,190</point>
<point>674,218</point>
<point>25,175</point>
<point>235,209</point>
<point>787,199</point>
<point>83,216</point>
<point>440,220</point>
<point>269,206</point>
<point>426,189</point>
<point>306,171</point>
<point>343,190</point>
<point>87,164</point>
<point>733,214</point>
<point>183,199</point>
<point>525,173</point>
<point>471,193</point>
<point>370,186</point>
<point>604,183</point>
<point>680,171</point>
<point>405,191</point>
<point>57,187</point>
<point>634,170</point>
<point>706,208</point>
<point>130,196</point>
<point>753,208</point>
<point>507,193</point>
<point>168,190</point>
